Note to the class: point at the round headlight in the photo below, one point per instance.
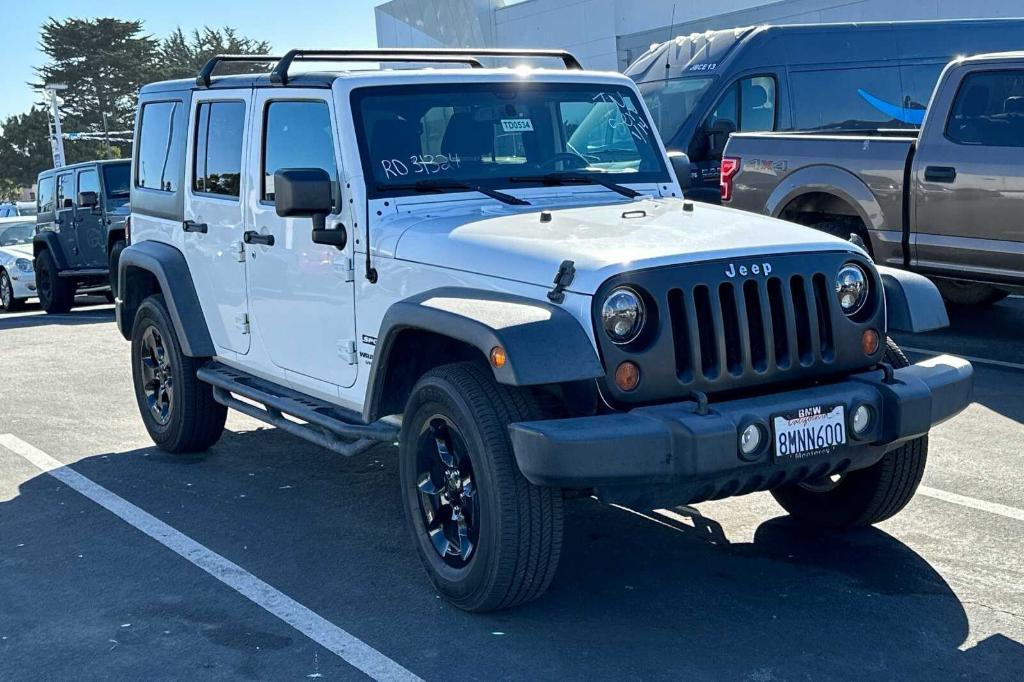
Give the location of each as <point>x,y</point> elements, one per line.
<point>851,288</point>
<point>23,264</point>
<point>622,315</point>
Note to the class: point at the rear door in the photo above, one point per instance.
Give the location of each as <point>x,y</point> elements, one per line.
<point>90,226</point>
<point>968,179</point>
<point>214,220</point>
<point>302,293</point>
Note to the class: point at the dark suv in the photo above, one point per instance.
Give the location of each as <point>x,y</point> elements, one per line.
<point>80,230</point>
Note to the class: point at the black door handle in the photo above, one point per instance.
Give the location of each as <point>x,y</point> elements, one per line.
<point>253,237</point>
<point>940,174</point>
<point>192,226</point>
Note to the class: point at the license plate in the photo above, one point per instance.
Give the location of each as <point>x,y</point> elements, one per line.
<point>809,431</point>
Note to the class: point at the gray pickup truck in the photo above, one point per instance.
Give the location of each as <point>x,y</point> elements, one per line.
<point>947,202</point>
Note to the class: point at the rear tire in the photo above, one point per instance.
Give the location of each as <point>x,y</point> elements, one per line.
<point>178,410</point>
<point>843,230</point>
<point>7,301</point>
<point>962,293</point>
<point>865,496</point>
<point>56,295</point>
<point>512,528</point>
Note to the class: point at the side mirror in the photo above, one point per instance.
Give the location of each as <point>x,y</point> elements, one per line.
<point>681,165</point>
<point>88,199</point>
<point>303,192</point>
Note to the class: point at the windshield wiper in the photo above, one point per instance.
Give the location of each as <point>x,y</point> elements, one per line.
<point>568,178</point>
<point>441,185</point>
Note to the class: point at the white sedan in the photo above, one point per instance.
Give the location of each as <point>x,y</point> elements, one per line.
<point>17,277</point>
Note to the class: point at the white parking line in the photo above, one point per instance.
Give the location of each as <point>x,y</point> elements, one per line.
<point>325,633</point>
<point>973,503</point>
<point>971,358</point>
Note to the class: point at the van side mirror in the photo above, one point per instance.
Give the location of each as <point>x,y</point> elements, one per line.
<point>88,199</point>
<point>681,165</point>
<point>302,192</point>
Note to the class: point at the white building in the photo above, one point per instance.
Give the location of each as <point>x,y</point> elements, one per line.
<point>609,34</point>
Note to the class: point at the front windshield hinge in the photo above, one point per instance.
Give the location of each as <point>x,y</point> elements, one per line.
<point>564,277</point>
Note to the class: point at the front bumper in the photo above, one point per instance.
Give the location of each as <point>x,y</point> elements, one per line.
<point>669,454</point>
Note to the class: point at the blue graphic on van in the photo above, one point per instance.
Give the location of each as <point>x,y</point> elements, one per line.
<point>914,117</point>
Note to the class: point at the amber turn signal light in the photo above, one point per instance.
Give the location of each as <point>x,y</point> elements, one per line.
<point>869,341</point>
<point>627,376</point>
<point>498,357</point>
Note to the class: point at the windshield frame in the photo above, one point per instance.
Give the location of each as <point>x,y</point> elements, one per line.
<point>374,191</point>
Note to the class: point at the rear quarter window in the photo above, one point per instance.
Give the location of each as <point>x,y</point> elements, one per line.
<point>159,152</point>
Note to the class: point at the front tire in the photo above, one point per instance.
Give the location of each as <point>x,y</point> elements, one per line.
<point>8,303</point>
<point>488,538</point>
<point>963,293</point>
<point>56,295</point>
<point>866,496</point>
<point>112,262</point>
<point>178,410</point>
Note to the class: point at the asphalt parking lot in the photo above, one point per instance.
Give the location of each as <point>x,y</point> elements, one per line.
<point>274,559</point>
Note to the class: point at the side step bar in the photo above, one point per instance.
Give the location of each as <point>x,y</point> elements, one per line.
<point>327,425</point>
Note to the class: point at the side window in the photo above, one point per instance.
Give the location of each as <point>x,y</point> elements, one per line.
<point>989,110</point>
<point>65,192</point>
<point>296,135</point>
<point>159,149</point>
<point>852,99</point>
<point>46,195</point>
<point>757,104</point>
<point>218,148</point>
<point>747,105</point>
<point>88,181</point>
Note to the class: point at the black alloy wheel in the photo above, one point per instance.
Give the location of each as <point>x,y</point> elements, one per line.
<point>157,376</point>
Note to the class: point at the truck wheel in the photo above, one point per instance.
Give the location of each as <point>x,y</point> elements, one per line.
<point>115,258</point>
<point>488,538</point>
<point>178,410</point>
<point>843,230</point>
<point>866,496</point>
<point>56,295</point>
<point>7,301</point>
<point>959,292</point>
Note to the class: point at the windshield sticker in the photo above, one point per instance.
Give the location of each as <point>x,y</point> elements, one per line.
<point>420,164</point>
<point>517,125</point>
<point>629,118</point>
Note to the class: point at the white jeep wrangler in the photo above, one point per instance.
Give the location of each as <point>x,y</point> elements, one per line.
<point>495,268</point>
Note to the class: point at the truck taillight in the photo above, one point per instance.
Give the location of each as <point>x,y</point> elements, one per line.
<point>128,230</point>
<point>730,165</point>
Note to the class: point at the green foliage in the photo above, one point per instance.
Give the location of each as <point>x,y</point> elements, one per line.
<point>104,62</point>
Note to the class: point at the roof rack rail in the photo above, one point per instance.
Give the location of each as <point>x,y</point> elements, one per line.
<point>205,75</point>
<point>411,54</point>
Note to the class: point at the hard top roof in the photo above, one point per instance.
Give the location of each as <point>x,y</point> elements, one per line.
<point>81,164</point>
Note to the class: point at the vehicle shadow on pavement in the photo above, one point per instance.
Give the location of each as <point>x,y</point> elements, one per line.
<point>637,597</point>
<point>73,318</point>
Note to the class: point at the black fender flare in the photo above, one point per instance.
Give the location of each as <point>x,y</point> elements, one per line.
<point>544,343</point>
<point>167,265</point>
<point>48,240</point>
<point>912,302</point>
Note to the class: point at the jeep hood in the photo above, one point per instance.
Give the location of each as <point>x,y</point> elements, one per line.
<point>601,240</point>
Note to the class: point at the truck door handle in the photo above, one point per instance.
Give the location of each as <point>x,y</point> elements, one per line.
<point>253,237</point>
<point>940,174</point>
<point>192,226</point>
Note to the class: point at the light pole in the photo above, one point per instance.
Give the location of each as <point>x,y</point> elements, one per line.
<point>56,139</point>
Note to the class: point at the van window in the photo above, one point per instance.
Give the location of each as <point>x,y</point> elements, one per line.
<point>748,105</point>
<point>671,103</point>
<point>854,99</point>
<point>88,181</point>
<point>159,150</point>
<point>65,192</point>
<point>297,135</point>
<point>989,110</point>
<point>46,195</point>
<point>218,150</point>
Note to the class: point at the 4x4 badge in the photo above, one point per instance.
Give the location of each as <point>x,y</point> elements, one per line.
<point>743,270</point>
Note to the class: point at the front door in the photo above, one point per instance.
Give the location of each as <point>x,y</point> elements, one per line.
<point>214,219</point>
<point>301,292</point>
<point>64,219</point>
<point>968,179</point>
<point>90,225</point>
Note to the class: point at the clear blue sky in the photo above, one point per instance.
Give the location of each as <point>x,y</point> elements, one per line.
<point>284,23</point>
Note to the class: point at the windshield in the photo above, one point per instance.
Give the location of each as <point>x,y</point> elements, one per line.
<point>116,179</point>
<point>485,134</point>
<point>672,102</point>
<point>12,234</point>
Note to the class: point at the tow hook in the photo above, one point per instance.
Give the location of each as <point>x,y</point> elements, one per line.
<point>566,273</point>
